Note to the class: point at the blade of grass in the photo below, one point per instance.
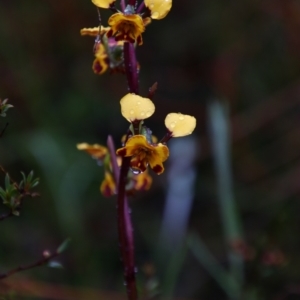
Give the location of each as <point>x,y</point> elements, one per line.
<point>176,260</point>
<point>179,200</point>
<point>220,140</point>
<point>225,280</point>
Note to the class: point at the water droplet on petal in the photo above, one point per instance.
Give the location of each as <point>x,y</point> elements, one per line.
<point>99,162</point>
<point>181,118</point>
<point>151,6</point>
<point>148,114</point>
<point>155,15</point>
<point>136,171</point>
<point>139,102</point>
<point>131,111</point>
<point>142,113</point>
<point>172,125</point>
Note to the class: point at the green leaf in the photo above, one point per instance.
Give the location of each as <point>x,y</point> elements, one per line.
<point>35,182</point>
<point>16,213</point>
<point>63,246</point>
<point>2,191</point>
<point>7,181</point>
<point>226,281</point>
<point>30,176</point>
<point>55,264</point>
<point>24,176</point>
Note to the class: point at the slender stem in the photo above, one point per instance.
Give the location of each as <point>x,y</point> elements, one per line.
<point>131,69</point>
<point>113,8</point>
<point>152,90</point>
<point>124,221</point>
<point>5,216</point>
<point>167,137</point>
<point>3,130</point>
<point>132,2</point>
<point>136,126</point>
<point>38,263</point>
<point>126,233</point>
<point>123,5</point>
<point>140,8</point>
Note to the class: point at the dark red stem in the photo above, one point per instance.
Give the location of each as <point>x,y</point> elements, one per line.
<point>5,216</point>
<point>152,90</point>
<point>131,68</point>
<point>140,8</point>
<point>126,233</point>
<point>132,2</point>
<point>166,138</point>
<point>123,5</point>
<point>124,220</point>
<point>3,130</point>
<point>40,262</point>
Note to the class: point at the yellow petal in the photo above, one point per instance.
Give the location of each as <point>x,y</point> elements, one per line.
<point>94,31</point>
<point>133,145</point>
<point>108,186</point>
<point>147,21</point>
<point>159,8</point>
<point>103,3</point>
<point>90,31</point>
<point>99,65</point>
<point>97,151</point>
<point>126,27</point>
<point>135,107</point>
<point>160,153</point>
<point>101,61</point>
<point>179,124</point>
<point>142,181</point>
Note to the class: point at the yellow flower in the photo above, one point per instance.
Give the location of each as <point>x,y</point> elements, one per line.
<point>108,185</point>
<point>101,61</point>
<point>104,3</point>
<point>96,151</point>
<point>143,153</point>
<point>158,8</point>
<point>108,55</point>
<point>179,124</point>
<point>126,27</point>
<point>135,107</point>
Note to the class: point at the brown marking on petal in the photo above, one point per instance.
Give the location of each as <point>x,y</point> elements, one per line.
<point>139,40</point>
<point>139,164</point>
<point>121,36</point>
<point>109,33</point>
<point>144,184</point>
<point>158,169</point>
<point>107,192</point>
<point>121,151</point>
<point>118,69</point>
<point>97,68</point>
<point>107,189</point>
<point>130,39</point>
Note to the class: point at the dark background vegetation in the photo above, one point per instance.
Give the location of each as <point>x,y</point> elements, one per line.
<point>245,53</point>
